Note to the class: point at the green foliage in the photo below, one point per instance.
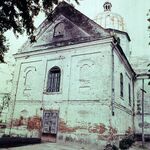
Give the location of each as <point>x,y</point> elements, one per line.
<point>126,142</point>
<point>5,103</point>
<point>111,147</point>
<point>3,47</point>
<point>19,16</point>
<point>148,19</point>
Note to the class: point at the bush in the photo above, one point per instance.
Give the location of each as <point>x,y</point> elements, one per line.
<point>6,142</point>
<point>126,142</point>
<point>5,135</point>
<point>110,147</point>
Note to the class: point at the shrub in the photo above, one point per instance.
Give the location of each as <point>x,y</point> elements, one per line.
<point>126,142</point>
<point>110,147</point>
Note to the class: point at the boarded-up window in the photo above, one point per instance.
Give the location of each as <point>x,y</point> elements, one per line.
<point>53,84</point>
<point>121,84</point>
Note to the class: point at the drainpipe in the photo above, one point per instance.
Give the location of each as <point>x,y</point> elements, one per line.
<point>133,105</point>
<point>143,91</point>
<point>112,79</point>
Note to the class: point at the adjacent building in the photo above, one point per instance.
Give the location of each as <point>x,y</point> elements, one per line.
<point>142,94</point>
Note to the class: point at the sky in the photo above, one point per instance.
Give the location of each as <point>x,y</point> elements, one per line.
<point>134,13</point>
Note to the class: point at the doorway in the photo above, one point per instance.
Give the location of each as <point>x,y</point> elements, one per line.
<point>50,125</point>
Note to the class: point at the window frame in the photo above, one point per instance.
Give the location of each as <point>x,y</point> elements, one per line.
<point>53,80</point>
<point>61,34</point>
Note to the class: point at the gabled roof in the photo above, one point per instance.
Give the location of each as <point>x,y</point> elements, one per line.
<point>78,28</point>
<point>79,19</point>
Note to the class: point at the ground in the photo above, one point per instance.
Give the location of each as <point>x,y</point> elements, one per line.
<point>54,146</point>
<point>138,146</point>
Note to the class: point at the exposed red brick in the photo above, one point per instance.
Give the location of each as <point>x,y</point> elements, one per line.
<point>63,127</point>
<point>112,133</point>
<point>112,130</point>
<point>34,123</point>
<point>102,128</point>
<point>19,122</point>
<point>97,128</point>
<point>31,122</point>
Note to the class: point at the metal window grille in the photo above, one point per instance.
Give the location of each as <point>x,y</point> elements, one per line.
<point>53,84</point>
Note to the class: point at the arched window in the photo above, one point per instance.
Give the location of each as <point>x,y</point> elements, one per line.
<point>121,84</point>
<point>59,30</point>
<point>53,84</point>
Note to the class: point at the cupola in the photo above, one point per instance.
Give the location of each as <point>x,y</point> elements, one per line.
<point>108,19</point>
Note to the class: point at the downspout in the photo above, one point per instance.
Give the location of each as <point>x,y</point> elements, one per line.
<point>133,107</point>
<point>112,79</point>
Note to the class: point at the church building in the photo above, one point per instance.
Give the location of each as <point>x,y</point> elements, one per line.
<point>75,83</point>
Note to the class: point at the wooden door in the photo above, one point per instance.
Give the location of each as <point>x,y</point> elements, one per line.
<point>50,125</point>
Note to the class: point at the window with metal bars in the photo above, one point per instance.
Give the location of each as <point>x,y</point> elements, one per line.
<point>121,84</point>
<point>53,84</point>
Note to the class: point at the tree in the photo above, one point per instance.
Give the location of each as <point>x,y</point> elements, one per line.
<point>149,23</point>
<point>5,103</point>
<point>19,16</point>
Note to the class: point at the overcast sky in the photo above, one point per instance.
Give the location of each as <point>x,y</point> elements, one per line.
<point>133,11</point>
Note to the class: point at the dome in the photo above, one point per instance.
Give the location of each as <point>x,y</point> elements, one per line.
<point>107,19</point>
